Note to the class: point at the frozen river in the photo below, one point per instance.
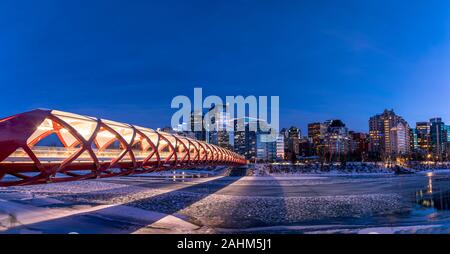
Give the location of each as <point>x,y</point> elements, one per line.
<point>295,204</point>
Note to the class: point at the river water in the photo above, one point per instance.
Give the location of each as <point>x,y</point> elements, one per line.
<point>347,204</point>
<point>372,203</point>
<point>350,203</point>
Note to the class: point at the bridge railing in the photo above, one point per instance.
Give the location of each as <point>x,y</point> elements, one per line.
<point>99,148</point>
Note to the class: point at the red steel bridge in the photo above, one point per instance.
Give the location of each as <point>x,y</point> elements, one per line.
<point>45,146</point>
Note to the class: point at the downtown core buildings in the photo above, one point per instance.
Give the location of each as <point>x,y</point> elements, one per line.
<point>388,135</point>
<point>389,138</point>
<point>237,134</point>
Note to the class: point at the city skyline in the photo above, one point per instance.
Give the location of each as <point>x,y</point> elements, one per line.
<point>324,60</point>
<point>304,125</point>
<point>390,138</point>
<point>242,119</point>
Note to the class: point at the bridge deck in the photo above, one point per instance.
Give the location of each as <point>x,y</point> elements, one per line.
<point>44,146</point>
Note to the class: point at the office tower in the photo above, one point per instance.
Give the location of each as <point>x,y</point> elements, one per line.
<point>293,135</point>
<point>423,131</point>
<point>359,145</point>
<point>280,147</point>
<point>266,145</point>
<point>285,135</point>
<point>196,125</point>
<point>413,140</point>
<point>244,139</point>
<point>305,147</point>
<point>316,133</point>
<point>439,137</point>
<point>217,129</point>
<point>266,149</point>
<point>447,129</point>
<point>336,140</point>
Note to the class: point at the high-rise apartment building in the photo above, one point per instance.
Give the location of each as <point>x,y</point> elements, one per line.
<point>388,135</point>
<point>399,140</point>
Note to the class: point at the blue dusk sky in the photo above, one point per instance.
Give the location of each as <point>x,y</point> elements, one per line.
<point>126,60</point>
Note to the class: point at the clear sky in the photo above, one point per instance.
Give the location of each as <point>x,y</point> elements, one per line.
<point>126,60</point>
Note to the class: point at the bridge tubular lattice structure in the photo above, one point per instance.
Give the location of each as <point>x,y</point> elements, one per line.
<point>45,146</point>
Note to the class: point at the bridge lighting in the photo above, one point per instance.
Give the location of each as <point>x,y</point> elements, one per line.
<point>93,148</point>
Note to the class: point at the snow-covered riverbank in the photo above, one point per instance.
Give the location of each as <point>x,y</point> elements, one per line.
<point>359,169</point>
<point>241,212</point>
<point>221,204</point>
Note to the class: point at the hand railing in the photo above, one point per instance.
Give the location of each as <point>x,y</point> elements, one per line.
<point>58,154</point>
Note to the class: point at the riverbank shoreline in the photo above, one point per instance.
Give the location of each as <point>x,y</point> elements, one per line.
<point>258,171</point>
<point>306,203</point>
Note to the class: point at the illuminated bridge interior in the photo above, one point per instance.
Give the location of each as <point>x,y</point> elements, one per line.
<point>43,146</point>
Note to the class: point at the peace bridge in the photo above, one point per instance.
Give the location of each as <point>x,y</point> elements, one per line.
<point>44,146</point>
